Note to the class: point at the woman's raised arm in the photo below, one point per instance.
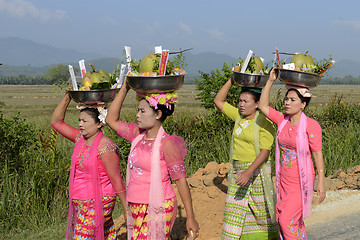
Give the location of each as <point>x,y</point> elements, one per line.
<point>113,115</point>
<point>265,93</point>
<point>220,98</point>
<point>60,110</point>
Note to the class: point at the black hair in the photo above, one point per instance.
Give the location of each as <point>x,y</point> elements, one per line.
<point>93,112</point>
<point>164,110</point>
<point>303,99</point>
<point>256,94</point>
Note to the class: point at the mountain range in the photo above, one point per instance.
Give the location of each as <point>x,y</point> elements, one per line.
<point>21,56</point>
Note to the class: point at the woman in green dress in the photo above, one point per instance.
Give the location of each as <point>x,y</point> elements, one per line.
<point>250,202</point>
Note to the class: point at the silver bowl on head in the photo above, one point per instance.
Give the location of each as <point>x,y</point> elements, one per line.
<point>158,84</point>
<point>93,96</point>
<point>297,78</point>
<point>249,80</point>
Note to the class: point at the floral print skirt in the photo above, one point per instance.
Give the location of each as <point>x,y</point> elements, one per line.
<point>140,212</point>
<point>85,220</point>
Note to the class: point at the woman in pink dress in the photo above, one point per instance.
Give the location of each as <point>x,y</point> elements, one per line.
<point>95,178</point>
<point>297,138</point>
<point>154,158</point>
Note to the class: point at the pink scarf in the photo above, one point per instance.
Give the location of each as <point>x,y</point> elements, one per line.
<point>92,171</point>
<point>157,214</point>
<point>306,168</point>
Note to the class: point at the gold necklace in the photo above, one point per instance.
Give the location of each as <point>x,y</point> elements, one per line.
<point>82,156</point>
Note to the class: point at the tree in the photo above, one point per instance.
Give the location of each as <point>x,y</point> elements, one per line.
<point>210,84</point>
<point>58,74</point>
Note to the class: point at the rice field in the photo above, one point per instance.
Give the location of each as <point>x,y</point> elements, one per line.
<point>36,102</point>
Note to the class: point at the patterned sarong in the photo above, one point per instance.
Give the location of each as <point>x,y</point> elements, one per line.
<point>246,215</point>
<point>140,213</point>
<point>85,222</point>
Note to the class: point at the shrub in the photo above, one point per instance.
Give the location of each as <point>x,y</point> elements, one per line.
<point>339,113</point>
<point>17,138</point>
<point>210,84</point>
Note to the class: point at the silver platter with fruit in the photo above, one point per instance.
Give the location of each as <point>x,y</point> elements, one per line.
<point>306,73</point>
<point>96,87</point>
<point>156,84</point>
<point>297,78</point>
<point>93,96</point>
<point>255,74</point>
<point>249,80</point>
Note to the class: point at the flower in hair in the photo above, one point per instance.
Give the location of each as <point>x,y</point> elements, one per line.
<point>102,115</point>
<point>159,98</point>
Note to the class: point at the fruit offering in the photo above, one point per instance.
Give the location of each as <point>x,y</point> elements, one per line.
<point>149,66</point>
<point>303,62</point>
<point>255,66</point>
<point>94,80</point>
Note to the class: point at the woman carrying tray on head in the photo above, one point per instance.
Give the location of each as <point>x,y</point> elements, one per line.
<point>95,178</point>
<point>154,157</point>
<point>297,138</point>
<point>250,201</point>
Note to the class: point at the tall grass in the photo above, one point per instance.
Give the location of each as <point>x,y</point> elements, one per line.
<point>341,147</point>
<point>341,134</point>
<point>33,180</point>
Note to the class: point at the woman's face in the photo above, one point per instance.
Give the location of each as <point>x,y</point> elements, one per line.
<point>88,126</point>
<point>146,117</point>
<point>247,104</point>
<point>293,104</point>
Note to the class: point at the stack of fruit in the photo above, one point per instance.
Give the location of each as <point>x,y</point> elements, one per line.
<point>303,62</point>
<point>303,70</point>
<point>149,66</point>
<point>97,87</point>
<point>155,73</point>
<point>96,80</point>
<point>255,74</point>
<point>255,66</point>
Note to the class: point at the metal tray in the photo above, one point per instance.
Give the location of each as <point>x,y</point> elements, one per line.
<point>158,84</point>
<point>93,96</point>
<point>297,78</point>
<point>249,80</point>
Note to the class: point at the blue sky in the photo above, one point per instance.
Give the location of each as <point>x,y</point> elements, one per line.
<point>230,27</point>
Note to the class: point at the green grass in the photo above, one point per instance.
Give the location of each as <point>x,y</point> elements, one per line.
<point>47,232</point>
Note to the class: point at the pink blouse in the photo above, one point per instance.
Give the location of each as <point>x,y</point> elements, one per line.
<point>172,154</point>
<point>287,137</point>
<point>107,150</point>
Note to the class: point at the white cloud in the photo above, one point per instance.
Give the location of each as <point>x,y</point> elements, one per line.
<point>25,9</point>
<point>185,28</point>
<point>354,24</point>
<point>216,34</point>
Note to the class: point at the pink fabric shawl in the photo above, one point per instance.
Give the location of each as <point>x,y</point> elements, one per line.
<point>93,173</point>
<point>306,167</point>
<point>157,214</point>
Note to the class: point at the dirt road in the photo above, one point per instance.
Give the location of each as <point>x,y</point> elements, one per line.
<point>208,191</point>
<point>337,218</point>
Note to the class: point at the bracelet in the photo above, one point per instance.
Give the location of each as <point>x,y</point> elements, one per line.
<point>320,170</point>
<point>121,191</point>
